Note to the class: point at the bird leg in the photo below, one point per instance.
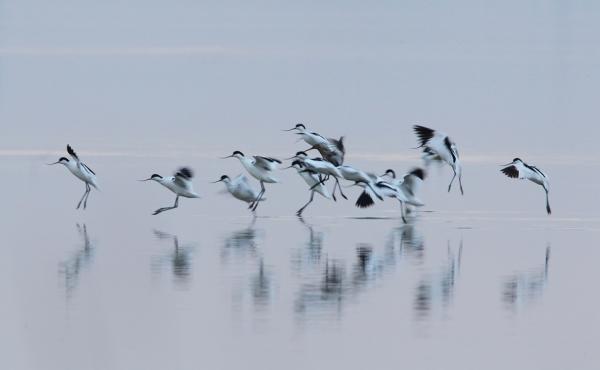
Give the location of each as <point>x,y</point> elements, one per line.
<point>337,183</point>
<point>451,181</point>
<point>402,211</point>
<point>547,202</point>
<point>260,195</point>
<point>299,213</point>
<point>89,190</point>
<point>84,194</point>
<point>160,210</point>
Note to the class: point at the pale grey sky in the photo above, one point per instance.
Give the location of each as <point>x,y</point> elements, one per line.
<point>516,77</point>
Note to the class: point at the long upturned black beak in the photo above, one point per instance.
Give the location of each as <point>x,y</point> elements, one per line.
<point>229,156</point>
<point>214,182</point>
<point>292,129</point>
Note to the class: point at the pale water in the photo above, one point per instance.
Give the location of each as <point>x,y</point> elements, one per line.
<point>484,281</point>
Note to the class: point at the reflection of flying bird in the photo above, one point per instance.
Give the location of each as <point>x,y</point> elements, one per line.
<point>81,171</point>
<point>180,184</point>
<point>180,259</point>
<point>439,143</point>
<point>518,169</point>
<point>526,286</point>
<point>240,188</point>
<point>72,267</point>
<point>261,168</point>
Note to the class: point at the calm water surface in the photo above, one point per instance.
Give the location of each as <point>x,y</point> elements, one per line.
<point>208,286</point>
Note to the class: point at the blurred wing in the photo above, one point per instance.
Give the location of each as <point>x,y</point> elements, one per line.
<point>511,171</point>
<point>181,181</point>
<point>185,172</point>
<point>266,163</point>
<point>424,134</point>
<point>72,153</point>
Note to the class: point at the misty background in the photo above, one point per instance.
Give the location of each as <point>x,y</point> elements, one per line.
<point>205,77</point>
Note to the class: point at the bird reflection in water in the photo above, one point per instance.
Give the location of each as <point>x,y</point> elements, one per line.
<point>324,295</point>
<point>309,255</point>
<point>410,242</point>
<point>523,288</point>
<point>438,289</point>
<point>72,267</point>
<point>179,259</point>
<point>241,243</point>
<point>261,287</point>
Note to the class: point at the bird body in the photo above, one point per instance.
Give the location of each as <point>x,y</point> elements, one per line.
<point>180,184</point>
<point>518,169</point>
<point>81,171</point>
<point>311,138</point>
<point>437,142</point>
<point>409,185</point>
<point>311,179</point>
<point>240,188</point>
<point>261,168</point>
<point>333,151</point>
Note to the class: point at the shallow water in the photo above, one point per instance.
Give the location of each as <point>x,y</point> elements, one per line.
<point>484,281</point>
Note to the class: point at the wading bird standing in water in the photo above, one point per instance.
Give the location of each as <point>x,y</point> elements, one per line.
<point>81,171</point>
<point>436,142</point>
<point>240,188</point>
<point>518,169</point>
<point>261,168</point>
<point>180,184</point>
<point>312,180</point>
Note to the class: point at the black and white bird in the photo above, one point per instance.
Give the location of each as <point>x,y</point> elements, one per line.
<point>518,169</point>
<point>363,179</point>
<point>436,142</point>
<point>261,168</point>
<point>311,138</point>
<point>322,167</point>
<point>409,184</point>
<point>333,151</point>
<point>240,188</point>
<point>180,184</point>
<point>81,171</point>
<point>388,190</point>
<point>312,180</point>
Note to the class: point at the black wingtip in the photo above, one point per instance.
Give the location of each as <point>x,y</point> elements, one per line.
<point>423,133</point>
<point>548,209</point>
<point>419,172</point>
<point>364,200</point>
<point>71,151</point>
<point>185,172</point>
<point>510,171</point>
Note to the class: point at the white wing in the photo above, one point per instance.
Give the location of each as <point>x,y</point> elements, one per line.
<point>266,163</point>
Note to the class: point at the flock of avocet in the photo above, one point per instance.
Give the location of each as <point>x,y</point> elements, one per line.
<point>316,172</point>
